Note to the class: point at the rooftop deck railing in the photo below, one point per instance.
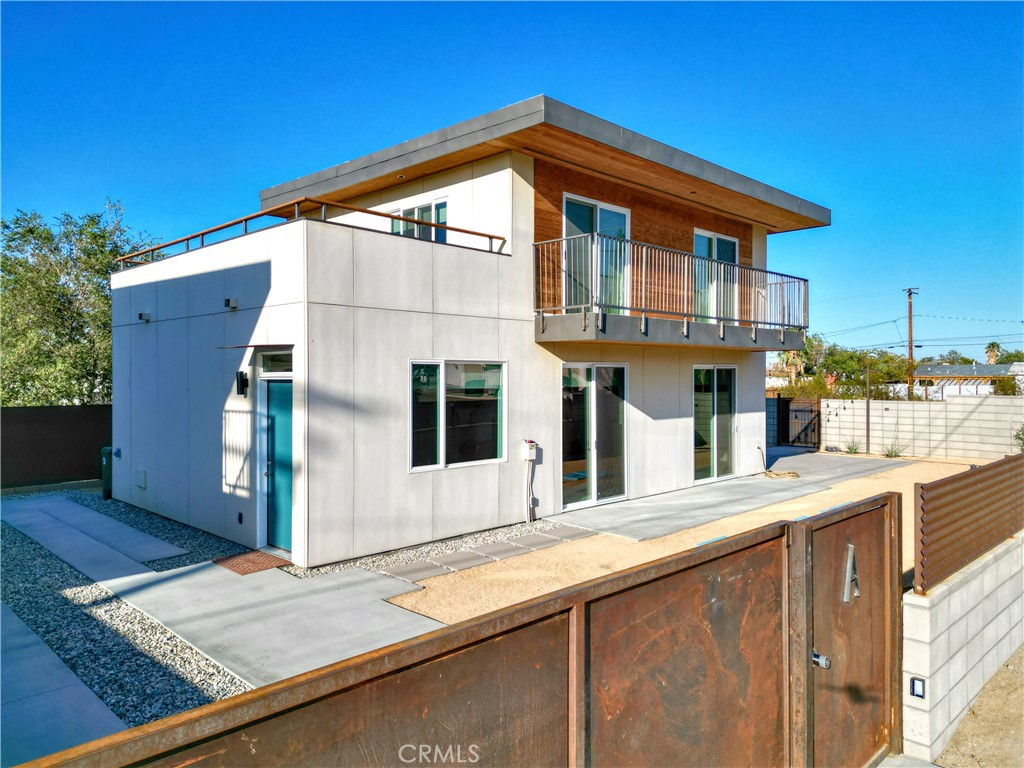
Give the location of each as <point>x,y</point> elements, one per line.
<point>598,273</point>
<point>303,207</point>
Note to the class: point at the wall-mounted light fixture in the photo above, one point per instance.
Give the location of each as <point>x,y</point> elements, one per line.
<point>241,383</point>
<point>144,317</point>
<point>231,303</point>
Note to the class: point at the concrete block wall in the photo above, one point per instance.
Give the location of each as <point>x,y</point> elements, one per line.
<point>955,638</point>
<point>957,427</point>
<point>771,421</point>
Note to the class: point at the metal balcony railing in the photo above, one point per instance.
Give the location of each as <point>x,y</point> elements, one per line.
<point>302,207</point>
<point>598,273</point>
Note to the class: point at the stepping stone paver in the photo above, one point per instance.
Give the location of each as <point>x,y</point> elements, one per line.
<point>460,561</point>
<point>416,571</point>
<point>535,541</point>
<point>569,533</point>
<point>500,550</point>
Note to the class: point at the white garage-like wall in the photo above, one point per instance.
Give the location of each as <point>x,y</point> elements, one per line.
<point>186,440</point>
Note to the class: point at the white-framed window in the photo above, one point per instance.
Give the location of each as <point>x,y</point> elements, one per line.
<point>457,413</point>
<point>711,245</point>
<point>434,213</point>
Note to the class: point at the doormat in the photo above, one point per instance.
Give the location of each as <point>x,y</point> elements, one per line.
<point>252,561</point>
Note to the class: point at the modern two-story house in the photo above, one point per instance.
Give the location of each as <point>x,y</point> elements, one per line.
<point>528,312</point>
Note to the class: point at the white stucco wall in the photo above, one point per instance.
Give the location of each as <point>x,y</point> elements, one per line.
<point>187,441</point>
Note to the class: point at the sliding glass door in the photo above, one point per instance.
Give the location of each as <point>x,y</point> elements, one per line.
<point>714,418</point>
<point>593,434</point>
<point>611,286</point>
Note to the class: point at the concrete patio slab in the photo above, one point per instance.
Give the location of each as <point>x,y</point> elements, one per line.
<point>270,625</point>
<point>500,550</point>
<point>77,549</point>
<point>39,694</point>
<point>129,541</point>
<point>416,571</point>
<point>667,513</point>
<point>535,541</point>
<point>459,561</point>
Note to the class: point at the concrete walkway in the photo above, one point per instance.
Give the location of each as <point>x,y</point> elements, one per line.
<point>268,626</point>
<point>45,707</point>
<point>656,516</point>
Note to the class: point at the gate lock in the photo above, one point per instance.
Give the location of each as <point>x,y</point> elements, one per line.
<point>820,660</point>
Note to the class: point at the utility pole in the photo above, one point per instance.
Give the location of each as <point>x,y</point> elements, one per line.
<point>867,413</point>
<point>910,341</point>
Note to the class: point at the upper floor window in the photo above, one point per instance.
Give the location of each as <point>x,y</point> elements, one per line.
<point>713,246</point>
<point>430,213</point>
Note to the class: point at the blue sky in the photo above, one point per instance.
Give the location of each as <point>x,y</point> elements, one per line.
<point>907,120</point>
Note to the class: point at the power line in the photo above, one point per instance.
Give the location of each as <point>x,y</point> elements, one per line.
<point>860,327</point>
<point>972,319</point>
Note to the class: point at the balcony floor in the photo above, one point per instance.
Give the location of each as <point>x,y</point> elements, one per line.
<point>626,329</point>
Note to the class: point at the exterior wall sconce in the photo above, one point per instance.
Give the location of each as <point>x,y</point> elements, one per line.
<point>231,303</point>
<point>241,383</point>
<point>144,317</point>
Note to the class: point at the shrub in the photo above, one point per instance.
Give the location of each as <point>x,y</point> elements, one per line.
<point>853,446</point>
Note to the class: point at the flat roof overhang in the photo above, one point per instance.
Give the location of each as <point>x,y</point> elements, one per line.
<point>544,128</point>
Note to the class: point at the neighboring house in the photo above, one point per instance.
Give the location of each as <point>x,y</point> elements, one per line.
<point>939,379</point>
<point>592,290</point>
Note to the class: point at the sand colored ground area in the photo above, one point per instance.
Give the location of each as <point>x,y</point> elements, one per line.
<point>466,594</point>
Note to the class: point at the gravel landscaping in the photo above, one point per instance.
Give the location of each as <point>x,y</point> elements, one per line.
<point>139,669</point>
<point>428,551</point>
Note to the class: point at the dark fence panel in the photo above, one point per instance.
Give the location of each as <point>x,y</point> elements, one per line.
<point>959,518</point>
<point>52,444</point>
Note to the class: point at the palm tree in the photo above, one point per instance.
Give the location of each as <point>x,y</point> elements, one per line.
<point>992,352</point>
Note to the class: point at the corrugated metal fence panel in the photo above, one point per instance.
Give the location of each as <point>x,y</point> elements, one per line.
<point>959,518</point>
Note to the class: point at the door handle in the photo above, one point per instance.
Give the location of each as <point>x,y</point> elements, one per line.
<point>820,660</point>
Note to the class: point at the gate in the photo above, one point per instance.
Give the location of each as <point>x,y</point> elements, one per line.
<point>846,608</point>
<point>702,658</point>
<point>799,421</point>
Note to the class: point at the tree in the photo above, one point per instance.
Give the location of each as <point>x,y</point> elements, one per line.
<point>55,304</point>
<point>1006,387</point>
<point>953,357</point>
<point>992,351</point>
<point>1007,356</point>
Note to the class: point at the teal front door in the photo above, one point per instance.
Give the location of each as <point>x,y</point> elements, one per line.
<point>279,464</point>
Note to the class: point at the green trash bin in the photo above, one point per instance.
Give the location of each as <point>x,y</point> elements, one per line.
<point>106,460</point>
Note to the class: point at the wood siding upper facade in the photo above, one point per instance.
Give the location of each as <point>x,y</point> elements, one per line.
<point>653,219</point>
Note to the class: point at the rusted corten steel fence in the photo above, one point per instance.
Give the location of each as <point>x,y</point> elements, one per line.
<point>959,518</point>
<point>702,658</point>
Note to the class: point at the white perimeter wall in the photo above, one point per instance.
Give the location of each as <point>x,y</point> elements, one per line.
<point>957,427</point>
<point>187,441</point>
<point>955,638</point>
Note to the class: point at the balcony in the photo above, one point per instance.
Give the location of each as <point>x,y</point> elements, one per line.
<point>599,288</point>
